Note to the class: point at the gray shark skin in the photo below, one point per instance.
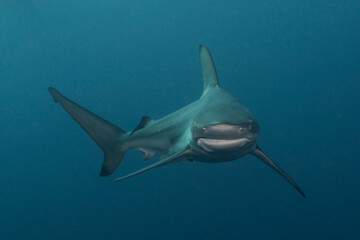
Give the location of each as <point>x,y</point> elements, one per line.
<point>215,128</point>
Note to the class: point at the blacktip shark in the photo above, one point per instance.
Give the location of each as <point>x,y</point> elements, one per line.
<point>215,128</point>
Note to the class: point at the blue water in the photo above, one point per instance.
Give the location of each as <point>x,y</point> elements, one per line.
<point>294,64</point>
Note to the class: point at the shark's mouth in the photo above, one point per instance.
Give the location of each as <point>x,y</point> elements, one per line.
<point>211,144</point>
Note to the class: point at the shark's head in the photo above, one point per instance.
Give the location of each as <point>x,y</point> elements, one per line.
<point>222,128</point>
<point>227,129</point>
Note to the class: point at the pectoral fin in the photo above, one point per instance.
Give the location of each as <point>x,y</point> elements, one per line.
<point>263,157</point>
<point>161,162</point>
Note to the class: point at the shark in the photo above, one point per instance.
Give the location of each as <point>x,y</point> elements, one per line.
<point>213,129</point>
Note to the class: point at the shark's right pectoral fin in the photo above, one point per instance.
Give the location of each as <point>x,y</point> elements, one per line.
<point>161,162</point>
<point>263,157</point>
<point>104,133</point>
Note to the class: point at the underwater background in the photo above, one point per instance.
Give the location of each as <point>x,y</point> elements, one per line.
<point>294,64</point>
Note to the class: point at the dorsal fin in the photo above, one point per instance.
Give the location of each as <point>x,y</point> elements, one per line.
<point>208,69</point>
<point>144,121</point>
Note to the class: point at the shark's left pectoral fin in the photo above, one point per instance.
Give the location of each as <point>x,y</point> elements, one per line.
<point>263,157</point>
<point>159,163</point>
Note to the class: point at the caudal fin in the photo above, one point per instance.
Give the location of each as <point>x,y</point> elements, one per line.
<point>104,133</point>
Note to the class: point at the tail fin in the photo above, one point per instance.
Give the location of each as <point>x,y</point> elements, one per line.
<point>104,133</point>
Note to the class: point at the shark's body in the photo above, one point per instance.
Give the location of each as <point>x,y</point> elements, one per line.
<point>215,128</point>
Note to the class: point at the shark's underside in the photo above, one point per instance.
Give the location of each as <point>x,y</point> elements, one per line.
<point>214,128</point>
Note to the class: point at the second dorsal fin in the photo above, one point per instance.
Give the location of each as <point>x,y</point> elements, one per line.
<point>144,121</point>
